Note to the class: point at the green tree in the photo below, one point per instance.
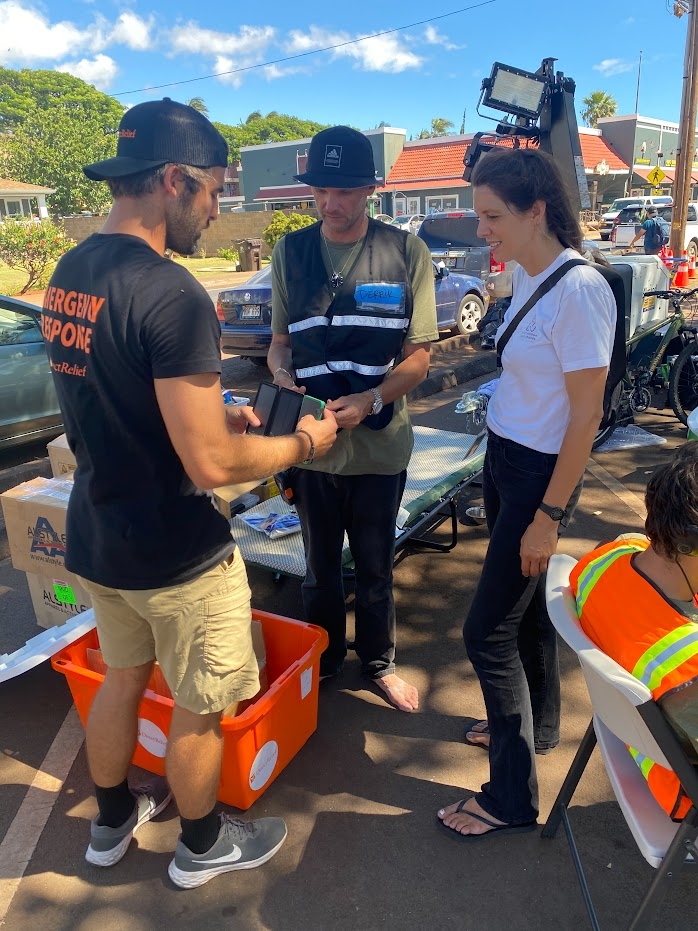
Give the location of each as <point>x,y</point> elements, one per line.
<point>282,224</point>
<point>50,148</point>
<point>197,103</point>
<point>34,248</point>
<point>258,129</point>
<point>596,106</point>
<point>440,126</point>
<point>25,92</point>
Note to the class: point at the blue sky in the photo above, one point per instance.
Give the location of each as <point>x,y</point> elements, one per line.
<point>404,78</point>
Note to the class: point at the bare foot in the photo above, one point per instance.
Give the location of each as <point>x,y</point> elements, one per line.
<point>478,735</point>
<point>461,821</point>
<point>400,693</point>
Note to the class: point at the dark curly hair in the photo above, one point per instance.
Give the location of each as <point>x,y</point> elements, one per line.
<point>671,499</point>
<point>520,177</point>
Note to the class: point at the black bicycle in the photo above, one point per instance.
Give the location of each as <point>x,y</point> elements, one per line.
<point>662,366</point>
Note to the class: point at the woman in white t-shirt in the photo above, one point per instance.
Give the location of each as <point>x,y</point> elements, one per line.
<point>541,420</point>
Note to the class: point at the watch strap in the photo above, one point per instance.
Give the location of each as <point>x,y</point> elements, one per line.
<point>553,513</point>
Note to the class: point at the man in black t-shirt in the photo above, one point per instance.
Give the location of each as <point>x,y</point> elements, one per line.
<point>134,343</point>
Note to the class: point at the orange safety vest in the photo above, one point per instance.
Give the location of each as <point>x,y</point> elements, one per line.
<point>633,623</point>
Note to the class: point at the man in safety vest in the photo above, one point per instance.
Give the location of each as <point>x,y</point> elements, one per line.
<point>353,316</point>
<point>636,599</point>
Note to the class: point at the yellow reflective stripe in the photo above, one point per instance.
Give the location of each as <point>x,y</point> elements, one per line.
<point>666,655</point>
<point>594,569</point>
<point>643,762</point>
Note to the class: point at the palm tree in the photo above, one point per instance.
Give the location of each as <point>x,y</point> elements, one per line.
<point>440,126</point>
<point>197,103</point>
<point>597,105</point>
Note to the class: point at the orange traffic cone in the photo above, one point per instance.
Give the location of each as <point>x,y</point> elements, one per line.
<point>669,259</point>
<point>692,271</point>
<point>681,278</point>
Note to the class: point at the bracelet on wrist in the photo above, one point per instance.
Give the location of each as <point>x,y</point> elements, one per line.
<point>283,371</point>
<point>311,454</point>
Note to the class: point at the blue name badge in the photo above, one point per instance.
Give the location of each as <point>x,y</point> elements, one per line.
<point>386,297</point>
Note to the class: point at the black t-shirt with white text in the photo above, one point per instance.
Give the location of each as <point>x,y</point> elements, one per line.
<point>117,315</point>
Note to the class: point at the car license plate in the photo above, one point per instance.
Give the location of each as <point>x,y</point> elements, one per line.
<point>251,312</point>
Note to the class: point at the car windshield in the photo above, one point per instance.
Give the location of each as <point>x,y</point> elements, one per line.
<point>440,232</point>
<point>621,202</point>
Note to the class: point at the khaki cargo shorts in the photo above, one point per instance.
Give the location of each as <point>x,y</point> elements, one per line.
<point>199,631</point>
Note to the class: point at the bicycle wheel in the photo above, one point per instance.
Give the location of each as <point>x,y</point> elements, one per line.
<point>603,435</point>
<point>683,382</point>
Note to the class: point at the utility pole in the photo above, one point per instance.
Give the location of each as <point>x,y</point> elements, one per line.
<point>687,131</point>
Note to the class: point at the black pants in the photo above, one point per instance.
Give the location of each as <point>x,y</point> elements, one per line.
<point>509,636</point>
<point>365,506</point>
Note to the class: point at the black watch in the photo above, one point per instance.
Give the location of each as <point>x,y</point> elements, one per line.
<point>553,513</point>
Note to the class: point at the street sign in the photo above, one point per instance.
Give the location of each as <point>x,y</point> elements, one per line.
<point>656,190</point>
<point>656,175</point>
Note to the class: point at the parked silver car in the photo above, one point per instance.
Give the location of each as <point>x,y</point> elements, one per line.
<point>29,408</point>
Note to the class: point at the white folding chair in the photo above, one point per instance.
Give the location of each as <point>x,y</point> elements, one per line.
<point>624,714</point>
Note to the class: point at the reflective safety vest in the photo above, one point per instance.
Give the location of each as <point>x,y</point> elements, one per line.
<point>636,625</point>
<point>346,341</point>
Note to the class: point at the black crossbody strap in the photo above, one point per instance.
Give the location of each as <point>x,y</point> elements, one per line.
<point>542,289</point>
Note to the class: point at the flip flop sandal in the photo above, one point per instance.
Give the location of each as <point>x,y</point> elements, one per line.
<point>497,829</point>
<point>483,730</point>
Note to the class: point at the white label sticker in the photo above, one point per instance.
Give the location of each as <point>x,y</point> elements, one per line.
<point>151,737</point>
<point>306,682</point>
<point>263,765</point>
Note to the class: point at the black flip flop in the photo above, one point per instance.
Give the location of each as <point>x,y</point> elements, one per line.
<point>497,829</point>
<point>476,743</point>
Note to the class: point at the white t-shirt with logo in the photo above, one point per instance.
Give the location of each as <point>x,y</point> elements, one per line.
<point>570,328</point>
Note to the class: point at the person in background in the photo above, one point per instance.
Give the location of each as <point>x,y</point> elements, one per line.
<point>541,423</point>
<point>134,343</point>
<point>647,230</point>
<point>353,314</point>
<point>636,599</point>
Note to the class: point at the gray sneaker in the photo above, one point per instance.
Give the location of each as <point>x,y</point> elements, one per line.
<point>108,845</point>
<point>241,845</point>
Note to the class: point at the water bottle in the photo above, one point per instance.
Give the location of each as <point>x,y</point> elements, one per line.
<point>228,396</point>
<point>474,406</point>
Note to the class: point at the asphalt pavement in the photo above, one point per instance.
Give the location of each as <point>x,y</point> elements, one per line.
<point>364,850</point>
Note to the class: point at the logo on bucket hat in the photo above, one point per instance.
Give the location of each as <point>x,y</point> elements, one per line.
<point>159,132</point>
<point>339,157</point>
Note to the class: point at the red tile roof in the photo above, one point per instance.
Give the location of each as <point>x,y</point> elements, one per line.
<point>18,187</point>
<point>595,149</point>
<point>434,165</point>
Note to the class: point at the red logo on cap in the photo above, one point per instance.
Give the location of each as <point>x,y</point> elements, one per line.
<point>127,134</point>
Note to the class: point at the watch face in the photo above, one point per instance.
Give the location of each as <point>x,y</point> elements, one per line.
<point>557,513</point>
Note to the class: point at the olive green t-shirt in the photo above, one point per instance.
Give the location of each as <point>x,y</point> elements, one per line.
<point>363,451</point>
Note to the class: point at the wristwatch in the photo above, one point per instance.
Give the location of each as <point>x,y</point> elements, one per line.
<point>377,406</point>
<point>553,513</point>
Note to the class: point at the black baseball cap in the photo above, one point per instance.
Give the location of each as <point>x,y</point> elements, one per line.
<point>651,209</point>
<point>159,132</point>
<point>339,157</point>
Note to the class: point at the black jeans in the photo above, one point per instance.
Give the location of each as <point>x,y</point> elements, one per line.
<point>365,506</point>
<point>509,636</point>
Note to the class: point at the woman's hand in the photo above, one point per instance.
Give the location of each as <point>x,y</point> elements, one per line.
<point>538,544</point>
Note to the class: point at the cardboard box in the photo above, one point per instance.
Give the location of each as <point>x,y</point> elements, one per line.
<point>35,515</point>
<point>56,599</point>
<point>59,455</point>
<point>226,496</point>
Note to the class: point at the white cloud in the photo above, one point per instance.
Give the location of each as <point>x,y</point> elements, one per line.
<point>132,31</point>
<point>612,66</point>
<point>372,53</point>
<point>226,50</point>
<point>274,72</point>
<point>99,71</point>
<point>28,36</point>
<point>434,37</point>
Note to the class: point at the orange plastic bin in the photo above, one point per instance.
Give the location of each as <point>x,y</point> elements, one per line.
<point>258,743</point>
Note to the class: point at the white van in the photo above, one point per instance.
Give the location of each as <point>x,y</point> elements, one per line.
<point>620,202</point>
<point>628,225</point>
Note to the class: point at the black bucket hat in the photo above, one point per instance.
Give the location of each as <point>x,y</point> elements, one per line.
<point>159,132</point>
<point>339,157</point>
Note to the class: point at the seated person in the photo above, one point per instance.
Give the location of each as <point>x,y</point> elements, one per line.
<point>636,599</point>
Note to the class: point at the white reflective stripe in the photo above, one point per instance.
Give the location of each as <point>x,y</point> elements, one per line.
<point>344,366</point>
<point>381,323</point>
<point>313,370</point>
<point>307,324</point>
